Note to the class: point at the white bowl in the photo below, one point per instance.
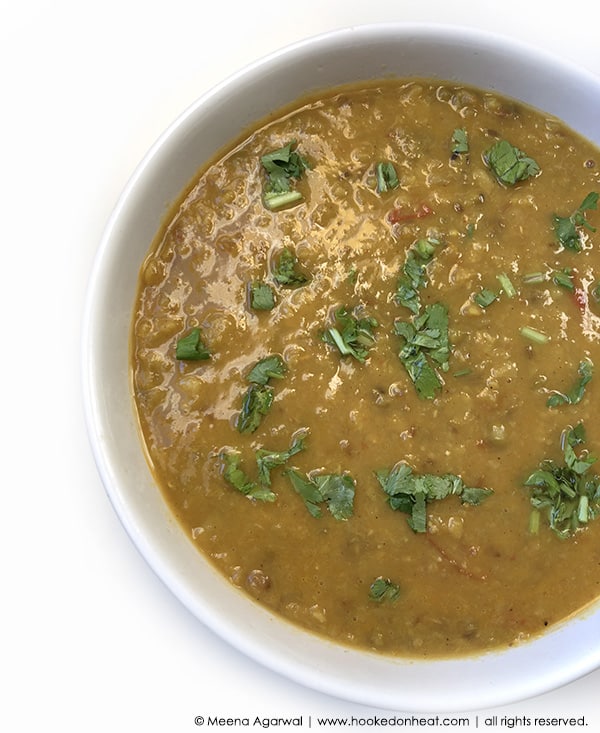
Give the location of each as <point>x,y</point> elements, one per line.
<point>568,652</point>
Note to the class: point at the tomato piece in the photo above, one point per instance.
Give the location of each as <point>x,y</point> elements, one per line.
<point>580,296</point>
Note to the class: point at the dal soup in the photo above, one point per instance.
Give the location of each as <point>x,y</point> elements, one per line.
<point>363,361</point>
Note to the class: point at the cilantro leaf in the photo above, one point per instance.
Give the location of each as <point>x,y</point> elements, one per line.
<point>236,477</point>
<point>426,339</point>
<point>285,271</point>
<point>460,143</point>
<point>567,228</point>
<point>409,492</point>
<point>565,494</point>
<point>259,396</point>
<point>434,322</point>
<point>396,482</point>
<point>575,394</point>
<point>413,275</point>
<point>417,520</point>
<point>191,347</point>
<point>422,374</point>
<point>382,589</point>
<point>509,164</point>
<point>270,367</point>
<point>336,490</point>
<point>262,297</point>
<point>351,335</point>
<point>267,460</point>
<point>474,495</point>
<point>386,176</point>
<point>283,166</point>
<point>255,405</point>
<point>308,490</point>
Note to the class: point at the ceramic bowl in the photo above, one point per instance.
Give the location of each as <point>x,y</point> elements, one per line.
<point>566,653</point>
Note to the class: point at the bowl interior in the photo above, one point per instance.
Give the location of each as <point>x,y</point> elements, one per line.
<point>212,122</point>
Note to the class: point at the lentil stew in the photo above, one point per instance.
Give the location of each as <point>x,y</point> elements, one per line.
<point>363,357</point>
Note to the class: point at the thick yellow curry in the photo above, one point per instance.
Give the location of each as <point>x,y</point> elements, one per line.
<point>364,359</point>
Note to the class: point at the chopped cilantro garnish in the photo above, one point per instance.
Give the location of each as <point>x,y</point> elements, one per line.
<point>422,374</point>
<point>308,490</point>
<point>509,164</point>
<point>269,459</point>
<point>506,285</point>
<point>266,461</point>
<point>532,334</point>
<point>567,496</point>
<point>575,394</point>
<point>460,142</point>
<point>426,339</point>
<point>563,278</point>
<point>273,200</point>
<point>414,273</point>
<point>191,348</point>
<point>262,297</point>
<point>335,490</point>
<point>383,589</point>
<point>534,278</point>
<point>351,335</point>
<point>463,372</point>
<point>567,228</point>
<point>270,367</point>
<point>259,396</point>
<point>255,405</point>
<point>285,271</point>
<point>409,493</point>
<point>485,297</point>
<point>236,477</point>
<point>386,176</point>
<point>283,166</point>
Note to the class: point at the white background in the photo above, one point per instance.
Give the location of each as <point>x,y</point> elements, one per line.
<point>90,639</point>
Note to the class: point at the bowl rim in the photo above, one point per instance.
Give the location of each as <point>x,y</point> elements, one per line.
<point>352,688</point>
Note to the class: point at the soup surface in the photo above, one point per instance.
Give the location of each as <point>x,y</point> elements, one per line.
<point>363,361</point>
